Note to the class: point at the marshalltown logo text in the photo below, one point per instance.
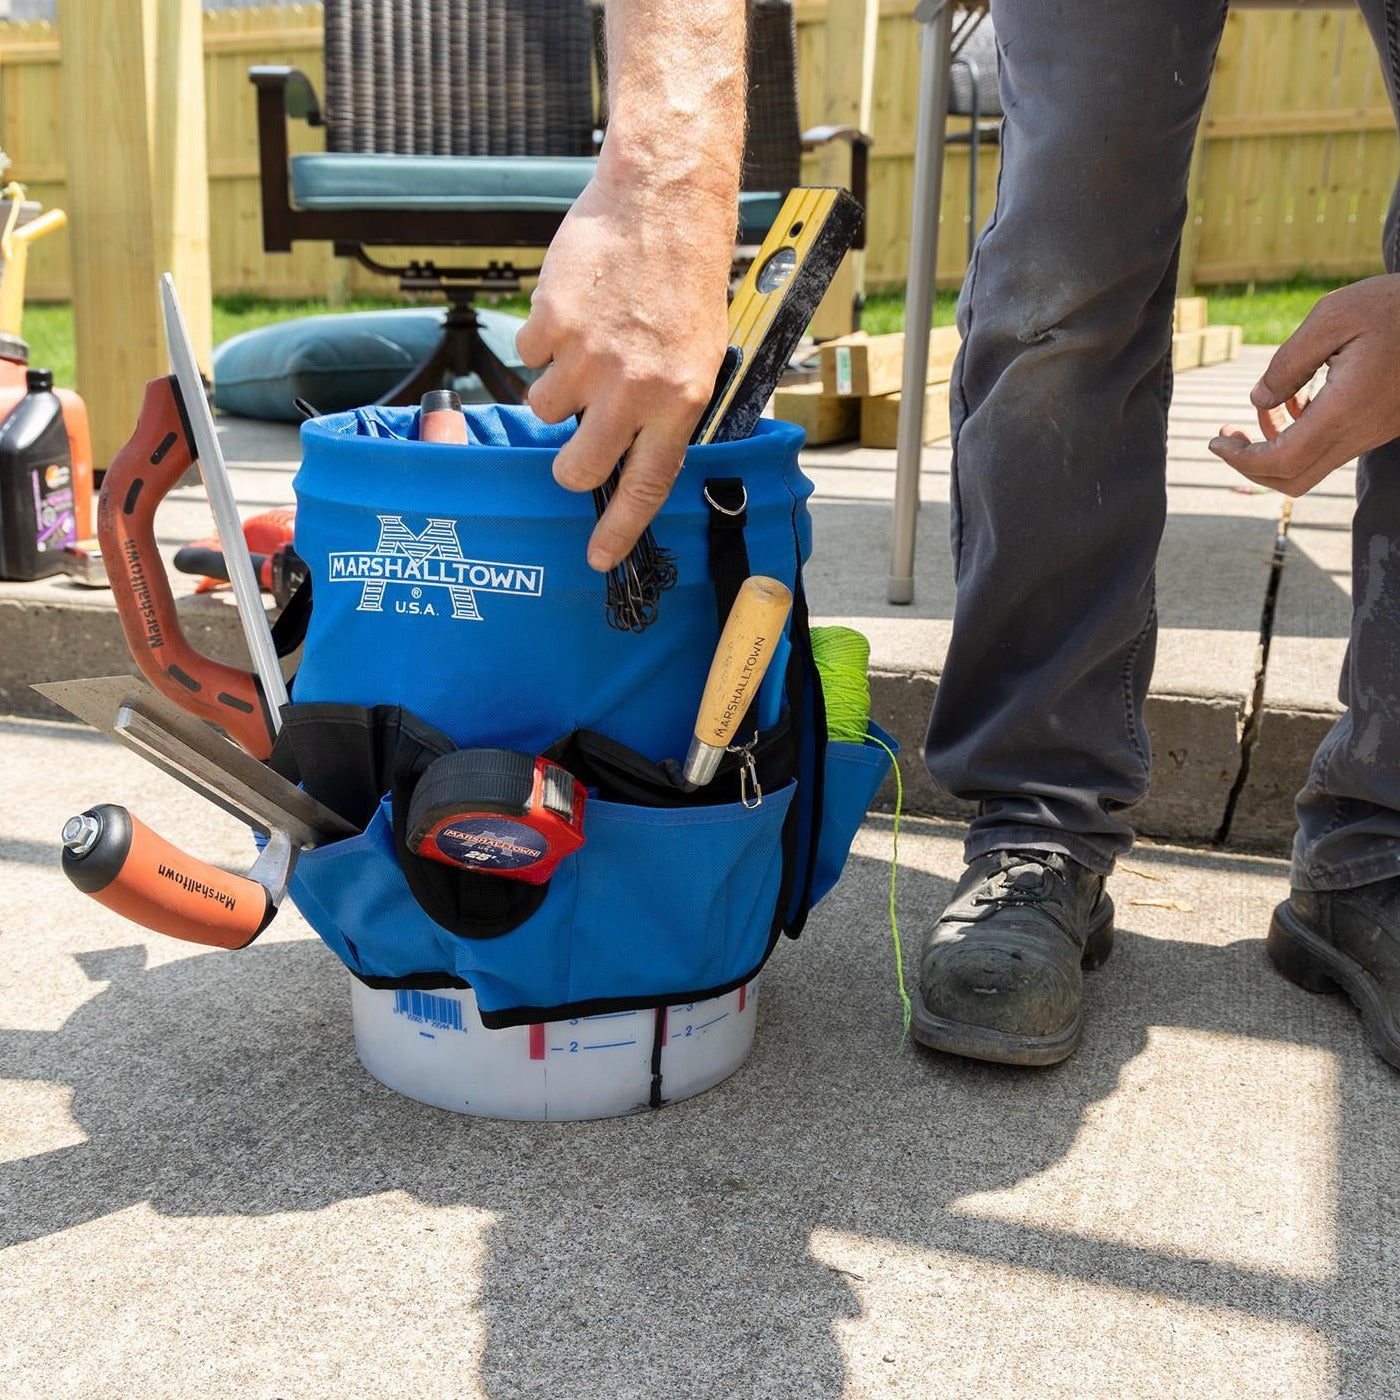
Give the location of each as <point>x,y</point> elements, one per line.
<point>429,571</point>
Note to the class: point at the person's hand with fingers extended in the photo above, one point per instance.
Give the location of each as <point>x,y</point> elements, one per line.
<point>630,317</point>
<point>1355,332</point>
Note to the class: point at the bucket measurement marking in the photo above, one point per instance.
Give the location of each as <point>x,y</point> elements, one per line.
<point>540,1048</point>
<point>574,1047</point>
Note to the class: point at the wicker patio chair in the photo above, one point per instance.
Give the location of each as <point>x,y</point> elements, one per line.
<point>471,124</point>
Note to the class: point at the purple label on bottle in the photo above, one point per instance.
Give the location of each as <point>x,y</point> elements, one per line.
<point>55,526</point>
<point>491,843</point>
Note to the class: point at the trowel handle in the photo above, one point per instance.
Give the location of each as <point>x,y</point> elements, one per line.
<point>122,864</point>
<point>140,477</point>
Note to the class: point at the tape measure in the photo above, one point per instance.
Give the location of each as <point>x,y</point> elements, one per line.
<point>814,230</point>
<point>497,812</point>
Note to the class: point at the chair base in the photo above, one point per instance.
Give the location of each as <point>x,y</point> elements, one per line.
<point>461,350</point>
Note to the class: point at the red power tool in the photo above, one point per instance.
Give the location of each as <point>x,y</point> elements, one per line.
<point>497,812</point>
<point>279,568</point>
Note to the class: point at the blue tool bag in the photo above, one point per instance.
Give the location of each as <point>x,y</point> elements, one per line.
<point>453,608</point>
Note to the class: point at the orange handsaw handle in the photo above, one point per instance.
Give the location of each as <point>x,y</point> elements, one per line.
<point>140,477</point>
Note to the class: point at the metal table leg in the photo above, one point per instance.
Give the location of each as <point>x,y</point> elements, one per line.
<point>935,19</point>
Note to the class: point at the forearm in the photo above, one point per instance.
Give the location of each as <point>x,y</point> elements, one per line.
<point>631,315</point>
<point>676,97</point>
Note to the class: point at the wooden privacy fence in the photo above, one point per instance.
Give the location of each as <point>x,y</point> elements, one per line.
<point>1293,172</point>
<point>1295,162</point>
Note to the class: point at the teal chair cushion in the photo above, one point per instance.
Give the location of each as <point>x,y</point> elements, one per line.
<point>340,362</point>
<point>337,181</point>
<point>467,183</point>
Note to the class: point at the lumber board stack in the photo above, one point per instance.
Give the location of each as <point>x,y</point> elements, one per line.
<point>859,392</point>
<point>1195,342</point>
<point>862,376</point>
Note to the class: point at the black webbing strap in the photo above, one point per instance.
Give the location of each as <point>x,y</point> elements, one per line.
<point>658,1041</point>
<point>812,739</point>
<point>727,501</point>
<point>289,631</point>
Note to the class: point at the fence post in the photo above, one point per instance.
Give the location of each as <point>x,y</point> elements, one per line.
<point>848,92</point>
<point>138,194</point>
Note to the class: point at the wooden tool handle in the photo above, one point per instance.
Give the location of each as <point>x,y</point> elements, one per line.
<point>137,481</point>
<point>741,660</point>
<point>124,865</point>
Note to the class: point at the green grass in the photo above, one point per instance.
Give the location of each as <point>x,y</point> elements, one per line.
<point>884,311</point>
<point>49,329</point>
<point>1268,313</point>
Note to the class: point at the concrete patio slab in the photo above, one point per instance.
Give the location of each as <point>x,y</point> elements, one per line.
<point>202,1193</point>
<point>1311,623</point>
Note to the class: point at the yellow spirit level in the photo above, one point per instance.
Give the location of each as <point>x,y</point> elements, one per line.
<point>814,230</point>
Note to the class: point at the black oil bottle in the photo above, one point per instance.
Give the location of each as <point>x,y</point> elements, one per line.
<point>36,484</point>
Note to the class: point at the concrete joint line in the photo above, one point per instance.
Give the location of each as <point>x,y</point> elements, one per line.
<point>1252,711</point>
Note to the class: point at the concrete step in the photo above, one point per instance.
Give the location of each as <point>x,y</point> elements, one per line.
<point>1231,740</point>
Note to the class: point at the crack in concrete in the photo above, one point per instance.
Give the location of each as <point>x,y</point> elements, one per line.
<point>1253,709</point>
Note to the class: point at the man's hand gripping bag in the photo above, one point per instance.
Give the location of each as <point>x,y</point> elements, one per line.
<point>453,608</point>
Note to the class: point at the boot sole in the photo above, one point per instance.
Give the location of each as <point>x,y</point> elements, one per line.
<point>1006,1047</point>
<point>1316,966</point>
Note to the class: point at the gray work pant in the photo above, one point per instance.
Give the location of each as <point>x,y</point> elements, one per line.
<point>1059,453</point>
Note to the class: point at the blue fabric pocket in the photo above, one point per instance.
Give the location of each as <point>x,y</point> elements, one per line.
<point>854,773</point>
<point>659,904</point>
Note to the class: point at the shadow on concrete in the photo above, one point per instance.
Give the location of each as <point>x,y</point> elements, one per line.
<point>680,1244</point>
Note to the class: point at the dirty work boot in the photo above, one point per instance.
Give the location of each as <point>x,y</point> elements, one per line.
<point>1346,940</point>
<point>1000,974</point>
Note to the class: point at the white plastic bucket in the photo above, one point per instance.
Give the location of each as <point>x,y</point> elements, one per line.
<point>431,1046</point>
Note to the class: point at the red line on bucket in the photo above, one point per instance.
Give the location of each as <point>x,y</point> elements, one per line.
<point>537,1042</point>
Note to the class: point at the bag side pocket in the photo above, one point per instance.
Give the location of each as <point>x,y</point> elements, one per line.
<point>678,901</point>
<point>854,773</point>
<point>353,894</point>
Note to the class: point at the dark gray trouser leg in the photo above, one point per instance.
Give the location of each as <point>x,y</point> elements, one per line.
<point>1060,402</point>
<point>1349,812</point>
